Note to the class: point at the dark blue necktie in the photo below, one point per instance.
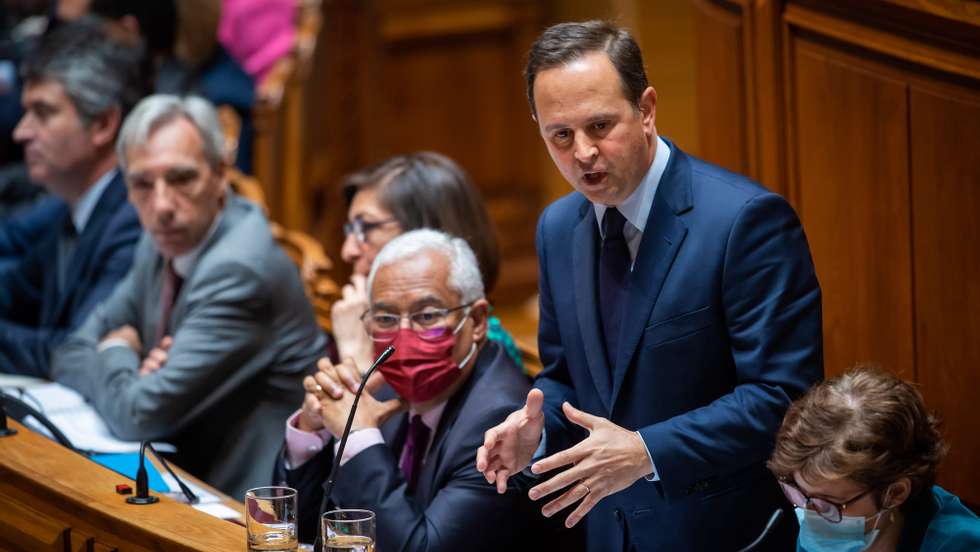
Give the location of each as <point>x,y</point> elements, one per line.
<point>614,266</point>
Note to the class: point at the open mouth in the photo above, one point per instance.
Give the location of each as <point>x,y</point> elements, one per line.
<point>593,178</point>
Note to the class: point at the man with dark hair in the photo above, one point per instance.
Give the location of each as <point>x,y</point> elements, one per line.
<point>78,87</point>
<point>680,315</point>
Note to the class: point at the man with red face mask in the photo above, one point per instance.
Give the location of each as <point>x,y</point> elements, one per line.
<point>409,458</point>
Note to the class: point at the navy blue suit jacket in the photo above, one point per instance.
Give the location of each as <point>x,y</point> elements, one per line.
<point>453,507</point>
<point>722,330</point>
<point>35,316</point>
<point>22,229</point>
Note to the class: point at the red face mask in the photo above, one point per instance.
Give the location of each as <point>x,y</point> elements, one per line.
<point>419,369</point>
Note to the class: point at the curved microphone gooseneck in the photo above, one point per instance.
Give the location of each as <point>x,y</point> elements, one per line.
<point>773,521</point>
<point>328,486</point>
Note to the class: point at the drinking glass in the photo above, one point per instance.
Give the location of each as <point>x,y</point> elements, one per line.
<point>348,531</point>
<point>270,518</point>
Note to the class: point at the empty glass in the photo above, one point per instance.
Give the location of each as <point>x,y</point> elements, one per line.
<point>270,518</point>
<point>348,531</point>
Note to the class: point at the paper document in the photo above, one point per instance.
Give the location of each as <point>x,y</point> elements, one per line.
<point>69,412</point>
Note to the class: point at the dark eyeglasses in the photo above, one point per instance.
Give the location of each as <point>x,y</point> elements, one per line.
<point>360,228</point>
<point>830,511</point>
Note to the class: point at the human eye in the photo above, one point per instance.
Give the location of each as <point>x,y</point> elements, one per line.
<point>601,127</point>
<point>561,136</point>
<point>140,183</point>
<point>429,317</point>
<point>181,177</point>
<point>384,320</point>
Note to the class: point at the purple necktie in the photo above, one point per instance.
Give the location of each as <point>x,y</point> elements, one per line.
<point>168,296</point>
<point>614,267</point>
<point>414,451</point>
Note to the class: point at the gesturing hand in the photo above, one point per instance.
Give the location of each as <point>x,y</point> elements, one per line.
<point>508,447</point>
<point>610,459</point>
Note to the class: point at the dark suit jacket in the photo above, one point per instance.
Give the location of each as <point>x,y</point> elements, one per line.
<point>453,507</point>
<point>244,336</point>
<point>722,330</point>
<point>23,228</point>
<point>35,315</point>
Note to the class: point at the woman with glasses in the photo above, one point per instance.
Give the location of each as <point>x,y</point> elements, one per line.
<point>403,193</point>
<point>857,458</point>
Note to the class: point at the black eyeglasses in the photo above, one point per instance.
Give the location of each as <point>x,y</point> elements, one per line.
<point>830,511</point>
<point>359,227</point>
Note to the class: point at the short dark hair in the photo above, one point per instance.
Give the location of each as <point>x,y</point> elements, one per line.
<point>868,426</point>
<point>566,42</point>
<point>97,73</point>
<point>429,190</point>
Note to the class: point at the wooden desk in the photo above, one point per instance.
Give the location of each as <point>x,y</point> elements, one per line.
<point>54,499</point>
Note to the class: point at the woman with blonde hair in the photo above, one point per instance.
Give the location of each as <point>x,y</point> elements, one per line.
<point>857,456</point>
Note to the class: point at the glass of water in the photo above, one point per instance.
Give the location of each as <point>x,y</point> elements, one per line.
<point>348,531</point>
<point>270,518</point>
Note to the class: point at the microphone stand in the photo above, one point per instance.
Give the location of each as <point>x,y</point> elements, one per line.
<point>4,430</point>
<point>143,484</point>
<point>773,521</point>
<point>328,486</point>
<point>143,495</point>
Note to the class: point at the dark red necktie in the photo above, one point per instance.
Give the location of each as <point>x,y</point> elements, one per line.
<point>414,451</point>
<point>168,296</point>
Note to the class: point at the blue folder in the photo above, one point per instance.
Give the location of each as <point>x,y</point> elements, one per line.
<point>128,463</point>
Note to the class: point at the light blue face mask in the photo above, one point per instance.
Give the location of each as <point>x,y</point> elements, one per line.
<point>820,535</point>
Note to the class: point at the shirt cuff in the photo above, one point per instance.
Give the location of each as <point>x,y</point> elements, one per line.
<point>358,441</point>
<point>302,445</point>
<point>654,476</point>
<point>110,343</point>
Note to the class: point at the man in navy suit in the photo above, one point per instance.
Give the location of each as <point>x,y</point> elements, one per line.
<point>680,315</point>
<point>78,87</point>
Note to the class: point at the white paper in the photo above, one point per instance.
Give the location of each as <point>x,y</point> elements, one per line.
<point>219,510</point>
<point>80,423</point>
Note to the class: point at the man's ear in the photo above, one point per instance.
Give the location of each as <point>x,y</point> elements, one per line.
<point>480,313</point>
<point>648,107</point>
<point>105,127</point>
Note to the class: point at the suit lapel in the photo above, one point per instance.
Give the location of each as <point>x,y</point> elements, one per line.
<point>437,454</point>
<point>83,258</point>
<point>662,238</point>
<point>584,262</point>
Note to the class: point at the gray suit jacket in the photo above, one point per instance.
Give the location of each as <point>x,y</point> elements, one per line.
<point>244,337</point>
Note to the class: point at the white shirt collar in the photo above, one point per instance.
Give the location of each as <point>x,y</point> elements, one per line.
<point>82,211</point>
<point>184,263</point>
<point>636,207</point>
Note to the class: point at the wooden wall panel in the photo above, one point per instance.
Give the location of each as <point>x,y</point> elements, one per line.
<point>723,120</point>
<point>446,76</point>
<point>945,134</point>
<point>851,159</point>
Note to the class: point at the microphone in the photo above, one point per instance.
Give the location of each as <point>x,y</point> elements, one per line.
<point>142,482</point>
<point>773,521</point>
<point>328,486</point>
<point>191,497</point>
<point>4,430</point>
<point>20,410</point>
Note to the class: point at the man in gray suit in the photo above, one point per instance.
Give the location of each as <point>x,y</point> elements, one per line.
<point>205,342</point>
